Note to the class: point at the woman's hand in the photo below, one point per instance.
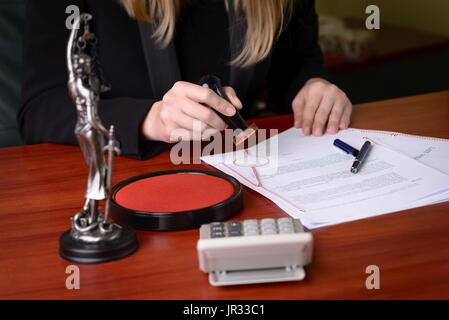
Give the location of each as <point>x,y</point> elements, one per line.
<point>321,107</point>
<point>184,107</point>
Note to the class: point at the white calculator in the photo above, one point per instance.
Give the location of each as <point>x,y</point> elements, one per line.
<point>254,251</point>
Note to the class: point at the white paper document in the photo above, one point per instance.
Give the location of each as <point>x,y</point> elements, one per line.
<point>433,152</point>
<point>311,180</point>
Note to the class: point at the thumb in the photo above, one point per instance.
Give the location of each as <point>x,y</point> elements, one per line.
<point>298,106</point>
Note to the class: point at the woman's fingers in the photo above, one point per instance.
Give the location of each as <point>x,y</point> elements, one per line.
<point>204,95</point>
<point>321,107</point>
<point>191,124</point>
<point>188,128</point>
<point>193,109</point>
<point>216,102</point>
<point>312,104</point>
<point>322,115</point>
<point>346,118</point>
<point>335,116</point>
<point>299,104</point>
<point>230,92</point>
<point>203,113</point>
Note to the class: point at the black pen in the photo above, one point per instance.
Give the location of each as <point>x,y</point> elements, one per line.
<point>361,156</point>
<point>234,122</point>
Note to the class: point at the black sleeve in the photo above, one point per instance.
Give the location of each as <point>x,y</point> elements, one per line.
<point>47,114</point>
<point>296,57</point>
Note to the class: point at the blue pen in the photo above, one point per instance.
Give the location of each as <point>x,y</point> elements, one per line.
<point>346,147</point>
<point>361,157</point>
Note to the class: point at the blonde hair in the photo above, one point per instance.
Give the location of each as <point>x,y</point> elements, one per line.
<point>265,20</point>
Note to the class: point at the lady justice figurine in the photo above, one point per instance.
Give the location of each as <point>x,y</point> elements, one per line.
<point>92,238</point>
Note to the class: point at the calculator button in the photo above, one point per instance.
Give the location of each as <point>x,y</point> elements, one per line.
<point>235,233</point>
<point>267,222</point>
<point>298,226</point>
<point>286,230</point>
<point>250,223</point>
<point>268,225</point>
<point>217,225</point>
<point>285,221</point>
<point>235,225</point>
<point>251,231</point>
<point>217,234</point>
<point>235,229</point>
<point>268,231</point>
<point>251,234</point>
<point>286,225</point>
<point>250,226</point>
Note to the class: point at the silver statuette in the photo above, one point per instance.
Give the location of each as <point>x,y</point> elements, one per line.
<point>89,226</point>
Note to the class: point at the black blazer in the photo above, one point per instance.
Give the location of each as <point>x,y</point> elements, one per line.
<point>140,72</point>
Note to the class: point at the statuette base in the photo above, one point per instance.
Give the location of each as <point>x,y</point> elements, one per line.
<point>124,244</point>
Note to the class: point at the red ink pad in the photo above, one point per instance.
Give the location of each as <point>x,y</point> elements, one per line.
<point>176,200</point>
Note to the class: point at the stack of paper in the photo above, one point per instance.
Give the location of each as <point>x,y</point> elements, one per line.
<point>311,180</point>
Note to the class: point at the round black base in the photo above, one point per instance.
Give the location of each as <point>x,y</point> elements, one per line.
<point>82,252</point>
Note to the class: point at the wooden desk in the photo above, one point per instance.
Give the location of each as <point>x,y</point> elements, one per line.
<point>42,186</point>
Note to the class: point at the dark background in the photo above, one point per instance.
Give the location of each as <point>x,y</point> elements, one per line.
<point>409,55</point>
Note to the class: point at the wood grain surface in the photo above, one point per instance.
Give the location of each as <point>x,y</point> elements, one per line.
<point>42,186</point>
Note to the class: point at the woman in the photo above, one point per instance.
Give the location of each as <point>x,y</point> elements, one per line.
<point>153,52</point>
